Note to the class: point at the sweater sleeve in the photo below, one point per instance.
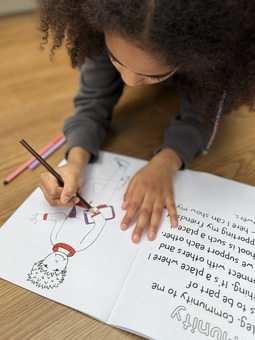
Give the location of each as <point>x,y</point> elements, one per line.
<point>100,88</point>
<point>188,133</point>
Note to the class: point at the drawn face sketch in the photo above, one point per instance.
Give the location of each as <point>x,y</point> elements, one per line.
<point>55,262</point>
<point>50,272</point>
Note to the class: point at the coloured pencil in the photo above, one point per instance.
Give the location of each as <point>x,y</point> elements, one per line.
<point>54,173</point>
<point>48,152</point>
<point>25,165</point>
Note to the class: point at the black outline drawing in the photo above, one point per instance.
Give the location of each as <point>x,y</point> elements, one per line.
<point>79,229</point>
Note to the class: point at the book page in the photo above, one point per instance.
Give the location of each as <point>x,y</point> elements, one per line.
<point>70,255</point>
<point>197,281</point>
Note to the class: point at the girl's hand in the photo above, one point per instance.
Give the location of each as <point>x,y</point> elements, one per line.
<point>148,192</point>
<point>72,174</point>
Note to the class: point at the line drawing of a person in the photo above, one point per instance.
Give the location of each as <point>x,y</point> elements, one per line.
<point>78,230</point>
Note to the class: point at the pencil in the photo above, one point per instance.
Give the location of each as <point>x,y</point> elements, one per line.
<point>54,173</point>
<point>25,165</point>
<point>48,152</point>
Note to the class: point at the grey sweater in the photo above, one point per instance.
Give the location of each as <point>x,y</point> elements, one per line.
<point>100,88</point>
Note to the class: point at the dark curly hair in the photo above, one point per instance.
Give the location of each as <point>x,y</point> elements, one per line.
<point>212,41</point>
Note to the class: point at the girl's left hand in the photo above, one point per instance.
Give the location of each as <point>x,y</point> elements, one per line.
<point>149,192</point>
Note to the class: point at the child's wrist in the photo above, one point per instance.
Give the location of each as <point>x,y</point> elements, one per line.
<point>169,156</point>
<point>79,156</point>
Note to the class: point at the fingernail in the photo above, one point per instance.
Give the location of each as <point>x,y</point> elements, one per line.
<point>124,226</point>
<point>65,199</point>
<point>152,236</point>
<point>124,205</point>
<point>77,200</point>
<point>136,238</point>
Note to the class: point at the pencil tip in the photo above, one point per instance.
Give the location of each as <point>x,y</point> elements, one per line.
<point>93,210</point>
<point>5,182</point>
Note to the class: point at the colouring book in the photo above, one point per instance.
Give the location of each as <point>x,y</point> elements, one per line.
<point>194,282</point>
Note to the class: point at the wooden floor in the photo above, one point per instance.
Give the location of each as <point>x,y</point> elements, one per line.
<point>36,96</point>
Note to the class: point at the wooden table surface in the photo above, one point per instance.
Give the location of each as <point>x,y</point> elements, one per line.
<point>36,96</point>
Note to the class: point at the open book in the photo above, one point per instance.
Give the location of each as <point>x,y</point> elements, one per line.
<point>194,282</point>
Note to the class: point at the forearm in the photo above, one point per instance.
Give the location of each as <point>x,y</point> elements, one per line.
<point>189,132</point>
<point>100,89</point>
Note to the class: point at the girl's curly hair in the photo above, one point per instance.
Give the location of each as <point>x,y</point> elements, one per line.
<point>212,41</point>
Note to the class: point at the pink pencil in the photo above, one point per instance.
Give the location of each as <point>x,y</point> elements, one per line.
<point>48,153</point>
<point>24,166</point>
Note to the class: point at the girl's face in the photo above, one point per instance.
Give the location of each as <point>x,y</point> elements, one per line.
<point>55,262</point>
<point>135,65</point>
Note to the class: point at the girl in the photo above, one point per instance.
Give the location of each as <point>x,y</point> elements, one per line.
<point>208,47</point>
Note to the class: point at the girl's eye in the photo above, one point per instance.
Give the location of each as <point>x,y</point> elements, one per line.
<point>155,78</point>
<point>112,59</point>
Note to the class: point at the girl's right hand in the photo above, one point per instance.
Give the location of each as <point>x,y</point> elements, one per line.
<point>72,174</point>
